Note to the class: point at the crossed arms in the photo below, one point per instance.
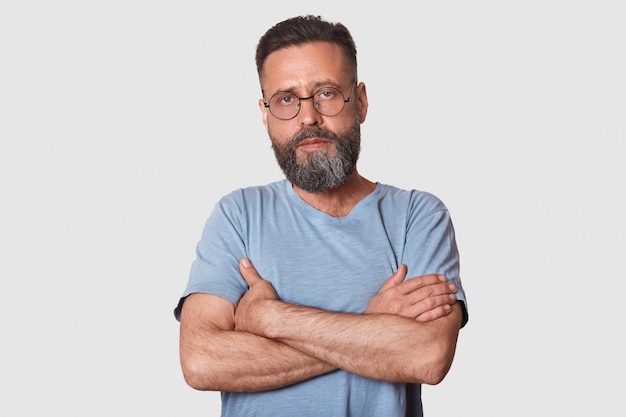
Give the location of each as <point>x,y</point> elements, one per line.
<point>408,334</point>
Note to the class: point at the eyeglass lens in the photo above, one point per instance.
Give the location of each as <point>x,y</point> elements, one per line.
<point>328,101</point>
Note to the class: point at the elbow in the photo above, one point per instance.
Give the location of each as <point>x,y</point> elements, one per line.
<point>194,378</point>
<point>436,374</point>
<point>432,368</point>
<point>432,372</point>
<point>195,382</point>
<point>197,375</point>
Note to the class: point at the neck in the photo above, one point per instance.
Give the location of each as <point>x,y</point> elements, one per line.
<point>339,201</point>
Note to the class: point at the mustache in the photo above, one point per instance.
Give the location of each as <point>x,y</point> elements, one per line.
<point>312,132</point>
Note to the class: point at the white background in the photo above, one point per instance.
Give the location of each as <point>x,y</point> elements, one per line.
<point>123,122</point>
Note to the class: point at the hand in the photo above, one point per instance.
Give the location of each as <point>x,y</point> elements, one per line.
<point>422,298</point>
<point>247,313</point>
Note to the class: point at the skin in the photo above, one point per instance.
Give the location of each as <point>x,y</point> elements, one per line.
<point>409,329</point>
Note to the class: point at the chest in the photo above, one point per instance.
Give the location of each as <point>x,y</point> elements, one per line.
<point>333,267</point>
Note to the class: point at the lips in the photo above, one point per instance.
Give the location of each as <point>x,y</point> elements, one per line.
<point>312,141</point>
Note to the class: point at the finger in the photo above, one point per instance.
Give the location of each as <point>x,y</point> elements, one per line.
<point>395,279</point>
<point>248,272</point>
<point>433,302</point>
<point>413,284</point>
<point>432,296</point>
<point>427,282</point>
<point>435,313</point>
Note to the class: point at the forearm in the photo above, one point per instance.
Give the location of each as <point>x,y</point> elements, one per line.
<point>240,361</point>
<point>378,346</point>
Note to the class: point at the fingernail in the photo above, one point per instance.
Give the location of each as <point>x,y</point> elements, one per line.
<point>246,263</point>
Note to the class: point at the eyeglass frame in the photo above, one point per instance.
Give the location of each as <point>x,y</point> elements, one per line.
<point>299,106</point>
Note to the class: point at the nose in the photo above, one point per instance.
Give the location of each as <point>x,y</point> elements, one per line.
<point>308,114</point>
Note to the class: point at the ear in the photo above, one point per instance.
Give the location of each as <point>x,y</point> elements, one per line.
<point>361,101</point>
<point>264,111</point>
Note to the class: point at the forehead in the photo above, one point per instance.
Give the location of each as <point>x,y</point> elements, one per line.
<point>304,67</point>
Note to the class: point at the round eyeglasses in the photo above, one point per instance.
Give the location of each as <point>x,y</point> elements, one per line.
<point>327,101</point>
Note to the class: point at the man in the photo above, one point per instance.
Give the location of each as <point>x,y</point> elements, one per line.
<point>324,294</point>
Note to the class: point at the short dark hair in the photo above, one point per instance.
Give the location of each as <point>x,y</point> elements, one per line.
<point>304,29</point>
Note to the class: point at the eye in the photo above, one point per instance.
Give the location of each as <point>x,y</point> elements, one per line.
<point>283,99</point>
<point>325,94</point>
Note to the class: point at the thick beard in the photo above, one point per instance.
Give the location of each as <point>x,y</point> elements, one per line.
<point>322,170</point>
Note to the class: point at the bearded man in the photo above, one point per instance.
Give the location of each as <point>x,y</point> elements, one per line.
<point>325,293</point>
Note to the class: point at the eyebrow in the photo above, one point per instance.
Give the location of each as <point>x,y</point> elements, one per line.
<point>314,87</point>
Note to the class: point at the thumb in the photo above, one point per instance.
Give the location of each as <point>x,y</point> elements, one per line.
<point>248,272</point>
<point>395,279</point>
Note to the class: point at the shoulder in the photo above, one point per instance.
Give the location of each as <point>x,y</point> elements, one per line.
<point>413,199</point>
<point>253,195</point>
